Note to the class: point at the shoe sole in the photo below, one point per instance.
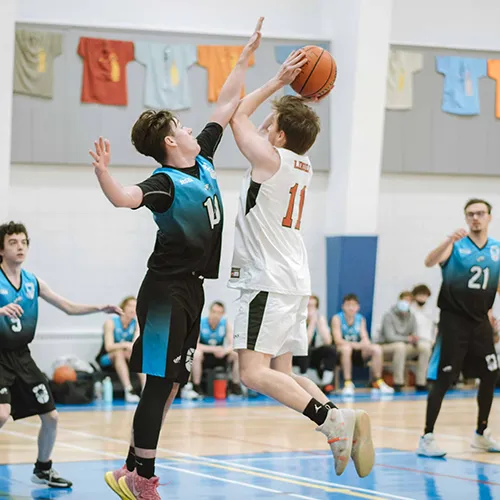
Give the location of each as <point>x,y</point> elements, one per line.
<point>112,483</point>
<point>349,425</point>
<point>363,451</point>
<point>421,454</point>
<point>487,450</point>
<point>125,490</point>
<point>37,480</point>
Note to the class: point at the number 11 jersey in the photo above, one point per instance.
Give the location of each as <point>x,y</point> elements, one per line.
<point>269,252</point>
<point>470,279</point>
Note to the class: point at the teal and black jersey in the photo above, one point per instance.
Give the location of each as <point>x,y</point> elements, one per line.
<point>19,332</point>
<point>187,208</point>
<point>470,279</point>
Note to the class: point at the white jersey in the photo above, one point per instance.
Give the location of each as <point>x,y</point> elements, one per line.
<point>269,252</point>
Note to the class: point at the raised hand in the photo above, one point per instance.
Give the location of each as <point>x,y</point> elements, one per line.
<point>291,68</point>
<point>111,309</point>
<point>458,235</point>
<point>102,155</point>
<point>254,42</point>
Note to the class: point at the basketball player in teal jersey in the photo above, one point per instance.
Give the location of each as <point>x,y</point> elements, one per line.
<point>184,198</point>
<point>470,263</point>
<point>24,390</point>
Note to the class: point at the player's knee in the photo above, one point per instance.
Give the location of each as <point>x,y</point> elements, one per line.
<point>490,376</point>
<point>376,351</point>
<point>249,378</point>
<point>198,356</point>
<point>4,414</point>
<point>233,357</point>
<point>50,419</point>
<point>345,349</point>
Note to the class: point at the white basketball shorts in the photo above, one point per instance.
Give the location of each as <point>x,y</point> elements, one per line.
<point>271,323</point>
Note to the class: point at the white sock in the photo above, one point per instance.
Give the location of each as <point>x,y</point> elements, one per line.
<point>327,377</point>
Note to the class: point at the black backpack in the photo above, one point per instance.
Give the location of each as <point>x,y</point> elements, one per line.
<point>80,392</point>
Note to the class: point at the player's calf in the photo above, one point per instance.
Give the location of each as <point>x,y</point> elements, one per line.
<point>4,414</point>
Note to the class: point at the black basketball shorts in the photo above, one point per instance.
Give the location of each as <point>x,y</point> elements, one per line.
<point>23,385</point>
<point>464,346</point>
<point>169,314</point>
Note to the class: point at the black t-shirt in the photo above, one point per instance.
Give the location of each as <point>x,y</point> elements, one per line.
<point>158,190</point>
<point>173,256</point>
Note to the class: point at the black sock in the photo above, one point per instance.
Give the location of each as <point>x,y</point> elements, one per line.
<point>316,411</point>
<point>43,466</point>
<point>145,467</point>
<point>130,463</point>
<point>481,428</point>
<point>330,406</point>
<point>485,400</point>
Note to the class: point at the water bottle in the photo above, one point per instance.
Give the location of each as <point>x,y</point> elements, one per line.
<point>107,386</point>
<point>98,391</point>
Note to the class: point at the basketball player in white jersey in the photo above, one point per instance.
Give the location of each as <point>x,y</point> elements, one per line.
<point>270,266</point>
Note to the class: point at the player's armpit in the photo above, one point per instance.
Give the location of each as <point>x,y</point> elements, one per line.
<point>256,148</point>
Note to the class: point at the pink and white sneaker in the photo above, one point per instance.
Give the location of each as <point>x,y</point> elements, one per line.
<point>113,476</point>
<point>136,487</point>
<point>339,431</point>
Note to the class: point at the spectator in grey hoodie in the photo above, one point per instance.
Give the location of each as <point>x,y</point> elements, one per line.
<point>400,342</point>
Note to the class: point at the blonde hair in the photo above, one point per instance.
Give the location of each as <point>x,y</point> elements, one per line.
<point>125,301</point>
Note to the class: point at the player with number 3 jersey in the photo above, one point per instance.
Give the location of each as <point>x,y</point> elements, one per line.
<point>24,389</point>
<point>470,264</point>
<point>270,266</point>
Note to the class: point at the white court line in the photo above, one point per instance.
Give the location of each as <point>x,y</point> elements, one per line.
<point>309,457</point>
<point>161,466</point>
<point>228,463</point>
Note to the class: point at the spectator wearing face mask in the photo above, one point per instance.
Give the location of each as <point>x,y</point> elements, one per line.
<point>426,322</point>
<point>399,340</point>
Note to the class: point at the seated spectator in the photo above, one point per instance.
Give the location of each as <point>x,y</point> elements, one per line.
<point>215,348</point>
<point>400,341</point>
<point>426,324</point>
<point>119,337</point>
<point>354,345</point>
<point>322,356</point>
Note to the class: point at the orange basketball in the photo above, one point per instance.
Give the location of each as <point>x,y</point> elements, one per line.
<point>64,374</point>
<point>318,75</point>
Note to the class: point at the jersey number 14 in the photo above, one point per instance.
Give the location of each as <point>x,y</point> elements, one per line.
<point>479,274</point>
<point>213,210</point>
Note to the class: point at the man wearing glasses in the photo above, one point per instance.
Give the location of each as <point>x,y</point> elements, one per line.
<point>470,264</point>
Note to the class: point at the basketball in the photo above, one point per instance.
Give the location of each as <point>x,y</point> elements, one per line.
<point>318,75</point>
<point>64,374</point>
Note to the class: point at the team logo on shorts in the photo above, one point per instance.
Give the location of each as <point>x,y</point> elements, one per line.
<point>492,362</point>
<point>30,290</point>
<point>235,272</point>
<point>41,393</point>
<point>189,359</point>
<point>495,253</point>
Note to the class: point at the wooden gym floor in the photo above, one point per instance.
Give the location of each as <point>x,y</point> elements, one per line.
<point>257,449</point>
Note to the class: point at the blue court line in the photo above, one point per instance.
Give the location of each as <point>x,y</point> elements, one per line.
<point>238,402</point>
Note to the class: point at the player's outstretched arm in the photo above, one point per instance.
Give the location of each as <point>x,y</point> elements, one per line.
<point>443,251</point>
<point>69,307</point>
<point>119,196</point>
<point>230,93</point>
<point>251,141</point>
